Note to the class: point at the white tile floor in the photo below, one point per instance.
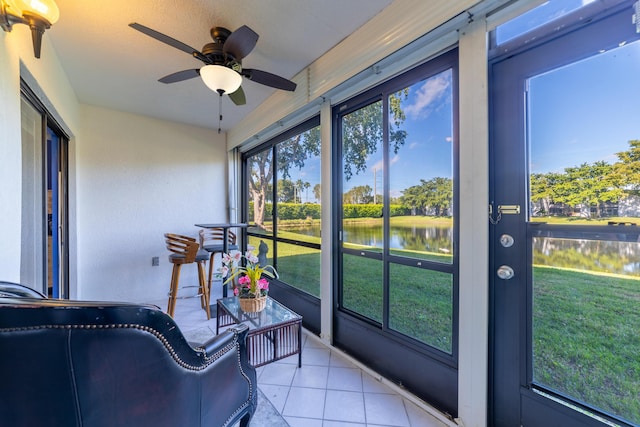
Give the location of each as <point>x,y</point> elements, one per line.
<point>328,391</point>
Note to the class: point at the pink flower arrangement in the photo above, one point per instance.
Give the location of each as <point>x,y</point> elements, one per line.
<point>250,280</point>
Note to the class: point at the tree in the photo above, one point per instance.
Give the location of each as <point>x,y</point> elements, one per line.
<point>627,169</point>
<point>362,133</point>
<point>299,185</point>
<point>260,176</point>
<point>414,199</point>
<point>360,194</point>
<point>439,194</point>
<point>291,153</point>
<point>543,189</point>
<point>588,185</point>
<point>306,187</point>
<point>286,191</point>
<point>296,150</point>
<point>316,192</point>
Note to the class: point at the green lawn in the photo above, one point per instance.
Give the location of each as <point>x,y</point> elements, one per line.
<point>587,338</point>
<point>586,221</point>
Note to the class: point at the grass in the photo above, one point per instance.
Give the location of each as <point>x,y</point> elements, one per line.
<point>586,338</point>
<point>585,221</point>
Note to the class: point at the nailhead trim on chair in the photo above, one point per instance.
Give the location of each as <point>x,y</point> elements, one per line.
<point>207,359</point>
<point>244,405</point>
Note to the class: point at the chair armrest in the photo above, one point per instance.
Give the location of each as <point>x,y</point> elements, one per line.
<point>16,290</point>
<point>219,342</point>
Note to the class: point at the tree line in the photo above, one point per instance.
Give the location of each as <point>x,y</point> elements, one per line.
<point>588,186</point>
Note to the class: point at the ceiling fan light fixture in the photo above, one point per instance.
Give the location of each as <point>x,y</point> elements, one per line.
<point>220,79</point>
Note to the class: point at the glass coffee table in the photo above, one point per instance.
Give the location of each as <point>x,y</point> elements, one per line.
<point>274,333</point>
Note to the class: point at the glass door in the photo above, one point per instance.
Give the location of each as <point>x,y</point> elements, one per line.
<point>566,228</point>
<point>44,253</point>
<point>282,181</point>
<point>56,180</point>
<point>397,291</point>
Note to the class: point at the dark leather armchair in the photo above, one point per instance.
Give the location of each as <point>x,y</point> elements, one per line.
<point>72,363</point>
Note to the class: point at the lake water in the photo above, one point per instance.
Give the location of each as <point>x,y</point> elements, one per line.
<point>589,255</point>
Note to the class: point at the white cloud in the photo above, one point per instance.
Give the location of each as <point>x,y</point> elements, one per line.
<point>431,91</point>
<point>378,166</point>
<point>413,145</point>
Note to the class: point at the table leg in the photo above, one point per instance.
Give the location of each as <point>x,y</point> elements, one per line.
<point>275,344</point>
<point>218,310</point>
<point>299,346</point>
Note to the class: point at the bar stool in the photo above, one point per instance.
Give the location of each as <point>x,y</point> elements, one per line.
<point>211,240</point>
<point>185,250</point>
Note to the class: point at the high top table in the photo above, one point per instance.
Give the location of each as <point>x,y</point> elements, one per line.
<point>225,226</point>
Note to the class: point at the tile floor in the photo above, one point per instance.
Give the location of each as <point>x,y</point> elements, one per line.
<point>328,391</point>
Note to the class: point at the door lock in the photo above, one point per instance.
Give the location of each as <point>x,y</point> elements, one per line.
<point>505,272</point>
<point>506,240</point>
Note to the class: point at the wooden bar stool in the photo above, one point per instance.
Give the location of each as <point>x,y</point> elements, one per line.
<point>211,240</point>
<point>185,250</point>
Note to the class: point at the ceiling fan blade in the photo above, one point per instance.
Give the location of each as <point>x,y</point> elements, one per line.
<point>169,40</point>
<point>238,97</point>
<point>180,76</point>
<point>241,42</point>
<point>269,79</point>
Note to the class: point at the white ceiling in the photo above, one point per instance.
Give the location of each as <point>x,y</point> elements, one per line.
<point>112,65</point>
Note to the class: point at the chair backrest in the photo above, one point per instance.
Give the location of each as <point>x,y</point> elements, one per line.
<point>215,236</point>
<point>184,249</point>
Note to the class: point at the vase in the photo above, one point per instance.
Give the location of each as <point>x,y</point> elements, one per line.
<point>253,305</point>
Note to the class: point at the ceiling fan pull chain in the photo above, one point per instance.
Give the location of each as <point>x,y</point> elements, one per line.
<point>219,112</point>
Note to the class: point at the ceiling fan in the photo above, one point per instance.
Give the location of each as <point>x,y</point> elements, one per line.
<point>223,70</point>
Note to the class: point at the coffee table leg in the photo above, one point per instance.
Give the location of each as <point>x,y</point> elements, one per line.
<point>218,310</point>
<point>299,345</point>
<point>275,344</point>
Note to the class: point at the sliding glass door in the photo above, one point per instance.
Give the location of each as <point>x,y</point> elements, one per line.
<point>282,193</point>
<point>397,263</point>
<point>44,253</point>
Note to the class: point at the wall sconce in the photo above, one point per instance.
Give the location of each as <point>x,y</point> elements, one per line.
<point>39,15</point>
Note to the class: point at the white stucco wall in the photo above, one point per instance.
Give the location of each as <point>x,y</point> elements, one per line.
<point>132,179</point>
<point>9,163</point>
<point>138,178</point>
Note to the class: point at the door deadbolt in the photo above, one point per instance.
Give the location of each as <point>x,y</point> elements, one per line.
<point>506,240</point>
<point>505,272</point>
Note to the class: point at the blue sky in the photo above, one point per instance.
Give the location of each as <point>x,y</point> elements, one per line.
<point>580,113</point>
<point>426,152</point>
<point>587,111</point>
<point>536,17</point>
<point>584,112</point>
